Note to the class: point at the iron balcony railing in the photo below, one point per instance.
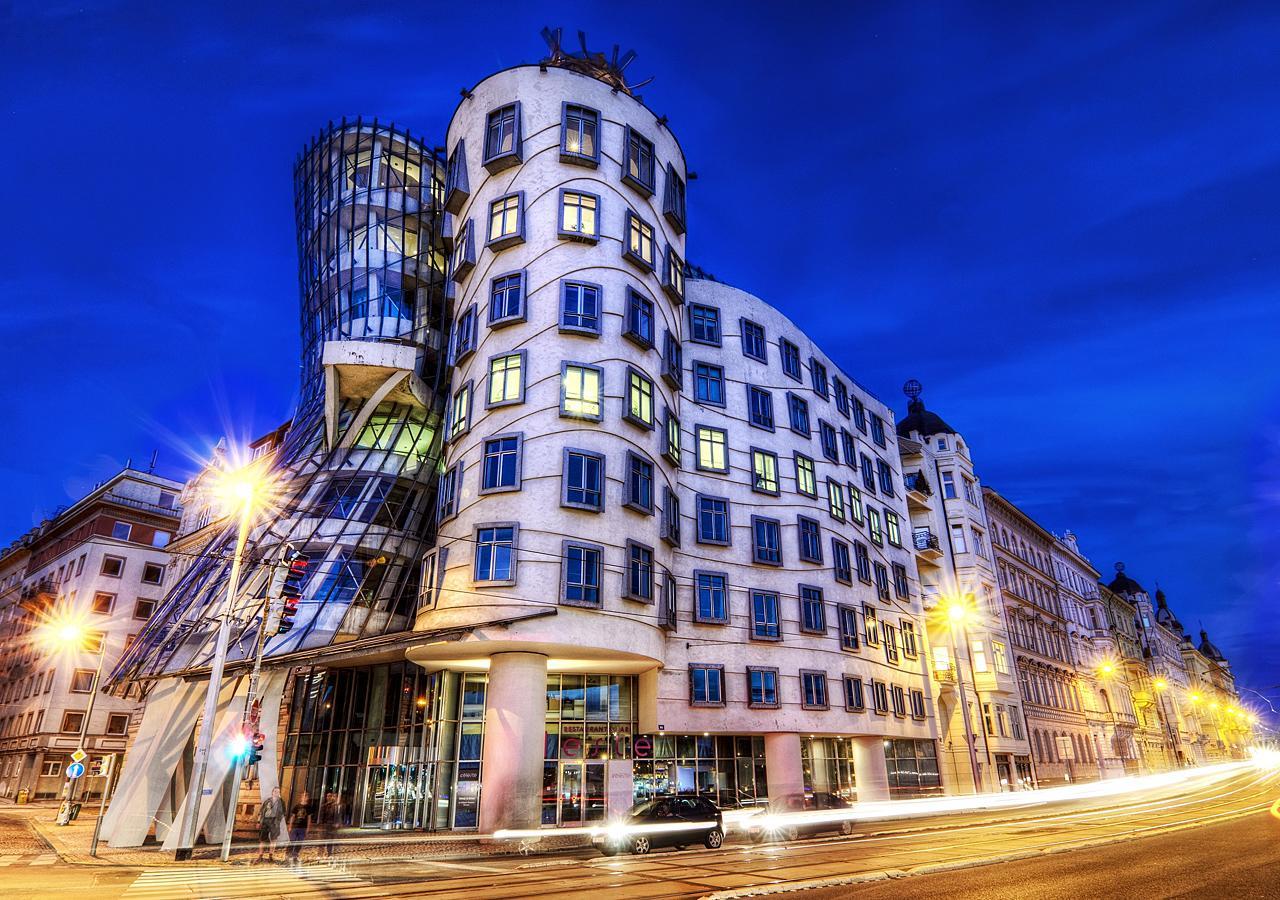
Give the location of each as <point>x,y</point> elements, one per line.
<point>915,481</point>
<point>925,539</point>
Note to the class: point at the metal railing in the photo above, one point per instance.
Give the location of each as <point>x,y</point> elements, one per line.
<point>925,539</point>
<point>915,481</point>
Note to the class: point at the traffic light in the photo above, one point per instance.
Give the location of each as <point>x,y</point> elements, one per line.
<point>254,752</point>
<point>285,592</point>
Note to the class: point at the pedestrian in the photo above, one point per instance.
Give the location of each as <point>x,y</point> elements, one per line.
<point>269,818</point>
<point>327,819</point>
<point>299,819</point>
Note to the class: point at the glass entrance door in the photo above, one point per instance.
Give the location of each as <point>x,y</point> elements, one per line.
<point>581,793</point>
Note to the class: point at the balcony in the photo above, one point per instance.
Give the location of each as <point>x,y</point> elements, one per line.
<point>945,674</point>
<point>918,490</point>
<point>926,544</point>
<point>172,511</point>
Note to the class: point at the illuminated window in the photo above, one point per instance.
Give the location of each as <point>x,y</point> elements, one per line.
<point>506,221</point>
<point>506,379</point>
<point>835,499</point>
<point>580,130</point>
<point>579,218</point>
<point>502,138</point>
<point>673,274</point>
<point>764,469</point>
<point>978,651</point>
<point>999,658</point>
<point>639,408</point>
<point>892,528</point>
<point>460,412</point>
<point>580,395</point>
<point>638,161</point>
<point>638,244</point>
<point>712,449</point>
<point>873,526</point>
<point>806,481</point>
<point>870,626</point>
<point>672,449</point>
<point>118,723</point>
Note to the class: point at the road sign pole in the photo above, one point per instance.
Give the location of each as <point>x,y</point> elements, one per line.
<point>109,761</point>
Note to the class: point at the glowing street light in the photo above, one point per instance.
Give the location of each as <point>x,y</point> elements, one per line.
<point>1106,668</point>
<point>1160,684</point>
<point>244,491</point>
<point>68,633</point>
<point>959,612</point>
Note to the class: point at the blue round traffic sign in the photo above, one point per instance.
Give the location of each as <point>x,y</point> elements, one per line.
<point>75,770</point>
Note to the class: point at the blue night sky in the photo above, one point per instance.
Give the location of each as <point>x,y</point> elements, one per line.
<point>1062,222</point>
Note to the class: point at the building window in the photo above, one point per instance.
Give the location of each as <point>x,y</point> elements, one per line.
<point>860,415</point>
<point>841,567</point>
<point>639,483</point>
<point>877,430</point>
<point>813,689</point>
<point>899,701</point>
<point>980,546</point>
<point>456,189</point>
<point>579,216</point>
<point>848,622</point>
<point>863,560</point>
<point>672,361</point>
<point>448,499</point>
<point>870,626</point>
<point>842,396</point>
<point>72,722</point>
<point>882,580</point>
<point>949,484</point>
<point>460,412</point>
<point>638,161</point>
<point>917,705</point>
<point>885,476</point>
<point>502,139</point>
<point>890,636</point>
<point>708,383</point>
<point>713,520</point>
<point>892,528</point>
<point>670,517</point>
<point>754,344</point>
<point>764,470</point>
<point>500,469</point>
<point>639,408</point>
<point>118,724</point>
<point>673,200</point>
<point>873,526</point>
<point>856,511</point>
<point>710,602</point>
<point>580,391</point>
<point>582,565</point>
<point>868,474</point>
<point>813,617</point>
<point>639,572</point>
<point>506,299</point>
<point>818,377</point>
<point>506,221</point>
<point>583,480</point>
<point>579,135</point>
<point>713,453</point>
<point>704,324</point>
<point>113,566</point>
<point>798,414</point>
<point>639,324</point>
<point>760,403</point>
<point>766,541</point>
<point>907,630</point>
<point>464,335</point>
<point>495,554</point>
<point>82,681</point>
<point>978,651</point>
<point>706,685</point>
<point>900,587</point>
<point>810,537</point>
<point>580,307</point>
<point>672,448</point>
<point>764,616</point>
<point>827,436</point>
<point>790,355</point>
<point>506,379</point>
<point>958,544</point>
<point>103,602</point>
<point>999,658</point>
<point>143,608</point>
<point>121,531</point>
<point>854,701</point>
<point>835,499</point>
<point>673,274</point>
<point>638,246</point>
<point>762,684</point>
<point>806,479</point>
<point>850,449</point>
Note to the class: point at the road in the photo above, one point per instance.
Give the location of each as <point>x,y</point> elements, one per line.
<point>1204,837</point>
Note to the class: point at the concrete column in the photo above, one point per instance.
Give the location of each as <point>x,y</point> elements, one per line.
<point>869,768</point>
<point>514,729</point>
<point>782,763</point>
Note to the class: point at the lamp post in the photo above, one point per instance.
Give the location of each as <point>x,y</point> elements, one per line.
<point>241,490</point>
<point>958,614</point>
<point>72,636</point>
<point>1161,684</point>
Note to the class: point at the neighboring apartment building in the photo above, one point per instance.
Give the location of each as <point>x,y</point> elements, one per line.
<point>949,534</point>
<point>1212,697</point>
<point>99,564</point>
<point>671,550</point>
<point>1122,674</point>
<point>1040,627</point>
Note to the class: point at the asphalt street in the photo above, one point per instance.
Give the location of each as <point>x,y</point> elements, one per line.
<point>1207,837</point>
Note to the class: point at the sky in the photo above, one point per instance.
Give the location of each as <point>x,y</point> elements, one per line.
<point>1062,221</point>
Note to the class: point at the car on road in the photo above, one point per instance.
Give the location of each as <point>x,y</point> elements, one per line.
<point>663,822</point>
<point>792,816</point>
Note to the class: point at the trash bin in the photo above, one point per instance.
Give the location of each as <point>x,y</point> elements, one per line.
<point>24,795</point>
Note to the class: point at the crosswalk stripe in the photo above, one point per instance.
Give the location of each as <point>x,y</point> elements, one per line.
<point>164,882</point>
<point>47,859</point>
<point>8,860</point>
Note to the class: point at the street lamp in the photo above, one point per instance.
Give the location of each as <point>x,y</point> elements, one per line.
<point>1161,685</point>
<point>959,612</point>
<point>243,492</point>
<point>70,635</point>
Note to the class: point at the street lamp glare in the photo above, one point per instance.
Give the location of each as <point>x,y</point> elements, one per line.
<point>1161,684</point>
<point>1107,668</point>
<point>957,610</point>
<point>241,489</point>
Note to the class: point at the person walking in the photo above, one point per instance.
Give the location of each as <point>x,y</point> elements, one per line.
<point>299,819</point>
<point>270,816</point>
<point>327,819</point>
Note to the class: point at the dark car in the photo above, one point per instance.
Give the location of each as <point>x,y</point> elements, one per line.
<point>663,822</point>
<point>787,818</point>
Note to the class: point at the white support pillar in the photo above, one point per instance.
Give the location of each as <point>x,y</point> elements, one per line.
<point>870,769</point>
<point>514,728</point>
<point>783,768</point>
